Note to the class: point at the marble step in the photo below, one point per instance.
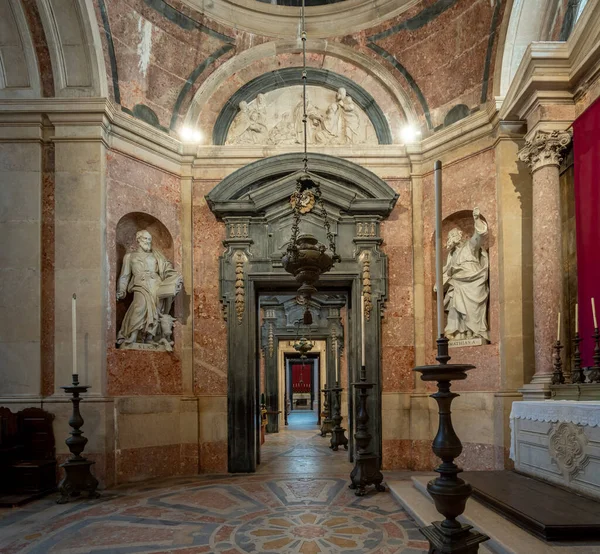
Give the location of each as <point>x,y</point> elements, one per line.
<point>505,537</point>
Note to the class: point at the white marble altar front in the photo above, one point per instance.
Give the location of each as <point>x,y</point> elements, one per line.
<point>558,441</point>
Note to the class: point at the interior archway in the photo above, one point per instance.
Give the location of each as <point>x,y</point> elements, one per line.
<point>254,204</point>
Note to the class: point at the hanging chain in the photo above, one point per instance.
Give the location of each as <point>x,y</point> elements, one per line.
<point>292,246</point>
<point>330,237</point>
<point>304,114</point>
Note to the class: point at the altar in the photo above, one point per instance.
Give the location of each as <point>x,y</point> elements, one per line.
<point>558,441</point>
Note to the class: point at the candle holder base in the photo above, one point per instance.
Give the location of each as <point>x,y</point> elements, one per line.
<point>366,466</point>
<point>452,541</point>
<point>338,436</point>
<point>366,472</point>
<point>448,491</point>
<point>78,478</point>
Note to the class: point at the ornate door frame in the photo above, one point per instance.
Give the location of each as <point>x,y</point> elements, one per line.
<point>253,202</point>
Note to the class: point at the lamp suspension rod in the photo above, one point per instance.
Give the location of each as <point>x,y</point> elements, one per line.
<point>304,116</point>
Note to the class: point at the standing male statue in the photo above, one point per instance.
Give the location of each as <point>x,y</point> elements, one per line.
<point>154,284</point>
<point>466,285</point>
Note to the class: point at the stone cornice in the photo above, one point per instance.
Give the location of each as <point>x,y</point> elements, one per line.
<point>544,149</point>
<point>556,72</point>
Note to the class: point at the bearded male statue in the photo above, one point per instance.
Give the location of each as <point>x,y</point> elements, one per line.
<point>466,288</point>
<point>154,284</point>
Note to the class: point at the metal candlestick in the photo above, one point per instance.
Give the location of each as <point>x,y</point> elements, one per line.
<point>449,492</point>
<point>366,469</point>
<point>78,477</point>
<point>557,375</point>
<point>327,422</point>
<point>594,374</point>
<point>577,376</point>
<point>338,437</point>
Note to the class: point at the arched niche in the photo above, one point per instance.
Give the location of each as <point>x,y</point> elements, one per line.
<point>265,59</point>
<point>125,242</point>
<point>462,220</point>
<point>292,76</point>
<point>253,202</point>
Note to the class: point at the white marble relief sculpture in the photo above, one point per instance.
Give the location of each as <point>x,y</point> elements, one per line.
<point>466,286</point>
<point>275,118</point>
<point>150,277</point>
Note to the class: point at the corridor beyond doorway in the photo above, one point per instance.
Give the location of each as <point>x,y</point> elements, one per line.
<point>299,448</point>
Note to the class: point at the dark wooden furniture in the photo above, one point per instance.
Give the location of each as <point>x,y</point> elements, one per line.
<point>547,511</point>
<point>27,454</point>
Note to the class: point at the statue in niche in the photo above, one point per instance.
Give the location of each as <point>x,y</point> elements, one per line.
<point>466,284</point>
<point>154,284</point>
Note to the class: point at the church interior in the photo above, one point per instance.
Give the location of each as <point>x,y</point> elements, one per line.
<point>299,276</point>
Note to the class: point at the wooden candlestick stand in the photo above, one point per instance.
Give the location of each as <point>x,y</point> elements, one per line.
<point>338,436</point>
<point>557,375</point>
<point>577,376</point>
<point>366,469</point>
<point>327,422</point>
<point>594,374</point>
<point>78,477</point>
<point>449,492</point>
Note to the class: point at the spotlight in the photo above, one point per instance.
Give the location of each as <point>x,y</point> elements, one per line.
<point>409,134</point>
<point>190,135</point>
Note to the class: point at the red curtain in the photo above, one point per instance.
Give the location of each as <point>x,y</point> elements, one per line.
<point>586,153</point>
<point>304,371</point>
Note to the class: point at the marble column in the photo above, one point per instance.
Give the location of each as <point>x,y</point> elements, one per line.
<point>543,154</point>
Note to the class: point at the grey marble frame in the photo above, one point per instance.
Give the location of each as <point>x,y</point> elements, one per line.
<point>253,202</point>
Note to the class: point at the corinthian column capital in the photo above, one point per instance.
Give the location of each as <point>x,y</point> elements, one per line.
<point>544,149</point>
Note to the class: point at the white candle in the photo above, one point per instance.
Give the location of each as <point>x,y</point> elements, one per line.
<point>576,318</point>
<point>558,329</point>
<point>362,328</point>
<point>74,331</point>
<point>437,172</point>
<point>594,314</point>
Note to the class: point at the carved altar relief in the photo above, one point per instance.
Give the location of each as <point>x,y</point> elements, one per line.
<point>275,118</point>
<point>567,446</point>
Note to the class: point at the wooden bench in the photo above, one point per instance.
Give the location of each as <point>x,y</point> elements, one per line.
<point>27,451</point>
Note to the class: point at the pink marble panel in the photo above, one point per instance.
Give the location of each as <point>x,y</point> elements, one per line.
<point>140,464</point>
<point>135,186</point>
<point>213,457</point>
<point>467,183</point>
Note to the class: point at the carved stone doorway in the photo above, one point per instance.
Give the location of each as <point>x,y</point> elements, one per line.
<point>253,202</point>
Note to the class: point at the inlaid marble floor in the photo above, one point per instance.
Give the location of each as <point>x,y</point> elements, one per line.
<point>298,502</point>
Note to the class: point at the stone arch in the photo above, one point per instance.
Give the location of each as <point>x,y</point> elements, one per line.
<point>73,38</point>
<point>340,18</point>
<point>291,76</point>
<point>387,92</point>
<point>253,202</point>
<point>19,74</point>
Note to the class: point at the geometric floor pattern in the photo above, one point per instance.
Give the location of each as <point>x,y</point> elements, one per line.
<point>227,514</point>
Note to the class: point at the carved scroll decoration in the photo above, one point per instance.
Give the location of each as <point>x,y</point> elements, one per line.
<point>366,285</point>
<point>566,446</point>
<point>271,340</point>
<point>240,286</point>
